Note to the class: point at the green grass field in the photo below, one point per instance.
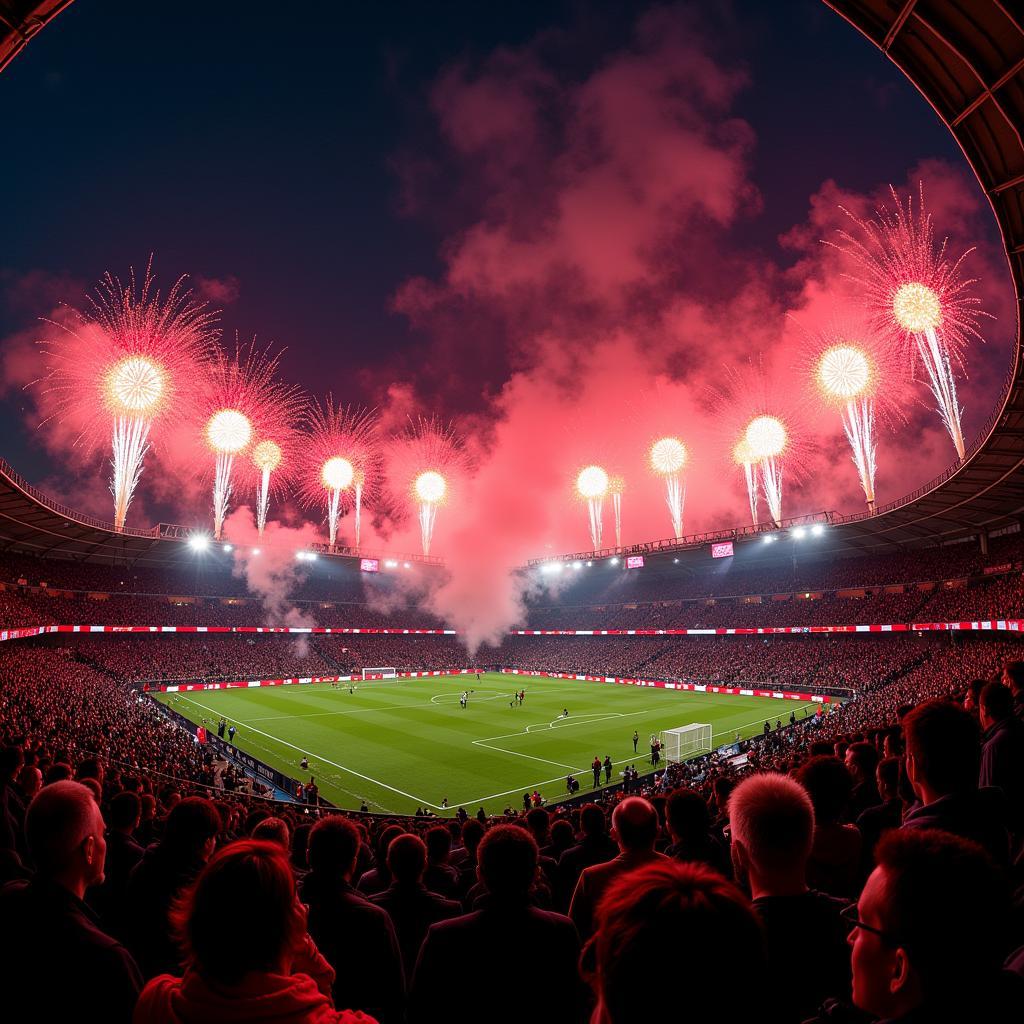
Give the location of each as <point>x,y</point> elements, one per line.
<point>403,744</point>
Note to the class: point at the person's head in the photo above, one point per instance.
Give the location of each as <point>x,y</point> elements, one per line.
<point>1013,677</point>
<point>90,768</point>
<point>562,836</point>
<point>125,811</point>
<point>273,830</point>
<point>635,824</point>
<point>407,858</point>
<point>254,881</point>
<point>593,823</point>
<point>385,838</point>
<point>701,911</point>
<point>333,847</point>
<point>439,844</point>
<point>64,830</point>
<point>771,825</point>
<point>539,823</point>
<point>190,832</point>
<point>472,833</point>
<point>30,781</point>
<point>686,813</point>
<point>861,760</point>
<point>887,777</point>
<point>507,861</point>
<point>829,784</point>
<point>974,688</point>
<point>930,923</point>
<point>943,749</point>
<point>995,705</point>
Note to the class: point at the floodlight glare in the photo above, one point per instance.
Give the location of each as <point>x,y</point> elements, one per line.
<point>228,548</point>
<point>798,532</point>
<point>199,542</point>
<point>817,529</point>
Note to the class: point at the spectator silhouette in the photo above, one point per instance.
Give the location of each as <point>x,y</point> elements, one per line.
<point>409,904</point>
<point>506,931</point>
<point>836,856</point>
<point>356,937</point>
<point>166,869</point>
<point>772,828</point>
<point>635,828</point>
<point>689,824</point>
<point>270,971</point>
<point>701,912</point>
<point>943,765</point>
<point>53,954</point>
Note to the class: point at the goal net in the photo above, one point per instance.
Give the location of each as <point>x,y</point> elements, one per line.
<point>380,673</point>
<point>685,742</point>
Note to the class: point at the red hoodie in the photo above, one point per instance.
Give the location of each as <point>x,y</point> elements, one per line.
<point>263,998</point>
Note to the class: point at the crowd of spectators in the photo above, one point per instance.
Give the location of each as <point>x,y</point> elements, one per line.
<point>870,855</point>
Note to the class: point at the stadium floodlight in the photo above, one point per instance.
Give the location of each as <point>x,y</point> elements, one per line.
<point>311,556</point>
<point>615,561</point>
<point>199,542</point>
<point>228,548</point>
<point>799,532</point>
<point>590,563</point>
<point>817,529</point>
<point>577,565</point>
<point>255,551</point>
<point>675,561</point>
<point>390,563</point>
<point>408,566</point>
<point>769,538</point>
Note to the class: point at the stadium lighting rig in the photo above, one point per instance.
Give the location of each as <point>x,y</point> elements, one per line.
<point>228,548</point>
<point>199,542</point>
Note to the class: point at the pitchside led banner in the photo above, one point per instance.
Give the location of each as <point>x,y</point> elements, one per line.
<point>635,562</point>
<point>723,550</point>
<point>369,565</point>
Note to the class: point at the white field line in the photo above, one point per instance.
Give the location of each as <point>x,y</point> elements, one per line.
<point>558,778</point>
<point>312,753</point>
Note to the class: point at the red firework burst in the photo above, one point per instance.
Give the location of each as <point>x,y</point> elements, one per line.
<point>909,280</point>
<point>123,367</point>
<point>340,464</point>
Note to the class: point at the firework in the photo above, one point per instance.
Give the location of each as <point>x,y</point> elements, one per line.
<point>743,456</point>
<point>668,458</point>
<point>122,368</point>
<point>592,486</point>
<point>616,488</point>
<point>766,438</point>
<point>271,465</point>
<point>426,458</point>
<point>918,296</point>
<point>242,402</point>
<point>341,461</point>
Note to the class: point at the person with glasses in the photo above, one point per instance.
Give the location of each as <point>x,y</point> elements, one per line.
<point>927,937</point>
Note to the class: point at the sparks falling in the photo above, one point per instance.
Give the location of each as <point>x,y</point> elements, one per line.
<point>592,486</point>
<point>243,401</point>
<point>341,459</point>
<point>616,488</point>
<point>766,437</point>
<point>743,456</point>
<point>668,459</point>
<point>123,366</point>
<point>427,457</point>
<point>919,296</point>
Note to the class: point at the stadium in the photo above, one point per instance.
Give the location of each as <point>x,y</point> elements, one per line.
<point>431,704</point>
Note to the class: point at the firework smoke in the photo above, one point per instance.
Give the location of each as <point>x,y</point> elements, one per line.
<point>919,297</point>
<point>124,366</point>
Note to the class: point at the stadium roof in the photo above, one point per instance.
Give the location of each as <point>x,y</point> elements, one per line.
<point>967,60</point>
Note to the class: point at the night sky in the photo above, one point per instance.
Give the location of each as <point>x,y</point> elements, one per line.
<point>302,172</point>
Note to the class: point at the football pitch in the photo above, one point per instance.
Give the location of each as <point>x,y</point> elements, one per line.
<point>406,743</point>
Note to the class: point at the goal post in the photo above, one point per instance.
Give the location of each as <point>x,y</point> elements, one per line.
<point>685,742</point>
<point>380,673</point>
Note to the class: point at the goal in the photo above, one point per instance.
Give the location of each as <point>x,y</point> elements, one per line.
<point>380,673</point>
<point>685,742</point>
